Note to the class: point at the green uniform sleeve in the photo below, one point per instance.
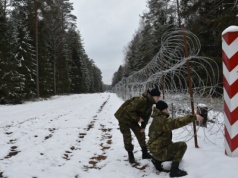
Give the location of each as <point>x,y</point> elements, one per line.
<point>171,124</point>
<point>146,118</point>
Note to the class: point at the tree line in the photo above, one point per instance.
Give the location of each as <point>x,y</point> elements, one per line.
<point>207,19</point>
<point>42,52</point>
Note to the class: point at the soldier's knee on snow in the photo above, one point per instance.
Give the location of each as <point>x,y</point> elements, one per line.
<point>183,145</point>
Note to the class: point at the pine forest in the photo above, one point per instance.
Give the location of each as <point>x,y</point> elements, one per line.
<point>42,52</point>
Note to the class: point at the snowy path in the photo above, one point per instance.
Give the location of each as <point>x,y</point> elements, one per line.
<point>61,137</point>
<point>44,136</point>
<point>77,136</point>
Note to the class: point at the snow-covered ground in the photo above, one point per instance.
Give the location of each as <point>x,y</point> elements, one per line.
<point>77,136</point>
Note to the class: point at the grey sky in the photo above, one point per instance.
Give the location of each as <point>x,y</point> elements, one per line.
<point>107,26</point>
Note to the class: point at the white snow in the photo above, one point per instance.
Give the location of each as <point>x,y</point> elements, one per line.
<point>77,136</point>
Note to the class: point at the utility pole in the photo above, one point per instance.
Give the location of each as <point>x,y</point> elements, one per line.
<point>36,46</point>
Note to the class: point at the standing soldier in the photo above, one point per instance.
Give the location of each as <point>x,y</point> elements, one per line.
<point>160,138</point>
<point>132,112</point>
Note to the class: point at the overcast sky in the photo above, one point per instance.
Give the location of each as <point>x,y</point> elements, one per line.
<point>106,27</point>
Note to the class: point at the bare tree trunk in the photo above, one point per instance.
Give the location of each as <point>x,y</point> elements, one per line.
<point>54,71</point>
<point>4,5</point>
<point>36,46</point>
<point>179,21</point>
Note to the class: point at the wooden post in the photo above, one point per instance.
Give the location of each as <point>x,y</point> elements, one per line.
<point>163,82</point>
<point>190,87</point>
<point>162,78</point>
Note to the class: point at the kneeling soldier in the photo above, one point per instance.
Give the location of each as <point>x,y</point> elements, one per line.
<point>160,138</point>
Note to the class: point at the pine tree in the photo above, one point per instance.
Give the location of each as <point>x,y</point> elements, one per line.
<point>146,42</point>
<point>207,19</point>
<point>75,73</point>
<point>133,55</point>
<point>117,76</point>
<point>97,76</point>
<point>25,53</point>
<point>57,19</point>
<point>12,82</point>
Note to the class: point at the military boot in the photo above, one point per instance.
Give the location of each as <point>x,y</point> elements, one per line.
<point>131,157</point>
<point>145,154</point>
<point>158,165</point>
<point>175,171</point>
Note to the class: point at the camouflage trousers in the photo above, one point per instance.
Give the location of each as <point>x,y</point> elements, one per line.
<point>173,152</point>
<point>126,128</point>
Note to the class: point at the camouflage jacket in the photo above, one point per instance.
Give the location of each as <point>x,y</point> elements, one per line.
<point>134,108</point>
<point>160,131</point>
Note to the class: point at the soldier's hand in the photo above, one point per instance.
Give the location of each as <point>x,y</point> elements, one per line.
<point>141,120</point>
<point>199,118</point>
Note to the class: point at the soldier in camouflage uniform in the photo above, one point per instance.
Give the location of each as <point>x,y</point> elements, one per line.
<point>160,138</point>
<point>132,112</point>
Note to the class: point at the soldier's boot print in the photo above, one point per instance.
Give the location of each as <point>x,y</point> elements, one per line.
<point>175,171</point>
<point>158,165</point>
<point>131,157</point>
<point>145,154</point>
